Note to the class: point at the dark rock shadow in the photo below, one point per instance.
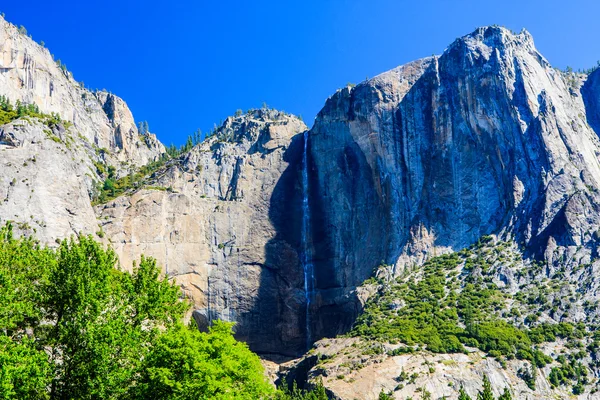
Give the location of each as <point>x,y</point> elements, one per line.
<point>591,98</point>
<point>274,324</point>
<point>277,323</point>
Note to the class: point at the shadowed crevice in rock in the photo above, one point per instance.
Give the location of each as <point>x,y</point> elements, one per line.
<point>591,98</point>
<point>283,329</point>
<point>275,325</point>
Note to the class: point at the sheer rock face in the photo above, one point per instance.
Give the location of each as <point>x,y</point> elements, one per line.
<point>487,138</point>
<point>48,172</point>
<point>591,98</point>
<point>227,228</point>
<point>44,181</point>
<point>29,74</point>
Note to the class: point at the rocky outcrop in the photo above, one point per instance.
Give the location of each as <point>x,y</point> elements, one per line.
<point>346,371</point>
<point>222,220</point>
<point>29,74</point>
<point>49,170</point>
<point>44,182</point>
<point>426,158</point>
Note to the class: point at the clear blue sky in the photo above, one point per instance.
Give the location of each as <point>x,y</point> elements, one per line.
<point>187,65</point>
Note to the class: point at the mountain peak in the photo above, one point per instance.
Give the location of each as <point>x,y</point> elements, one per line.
<point>485,38</point>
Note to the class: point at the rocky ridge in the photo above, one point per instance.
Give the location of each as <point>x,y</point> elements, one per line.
<point>29,74</point>
<point>50,170</point>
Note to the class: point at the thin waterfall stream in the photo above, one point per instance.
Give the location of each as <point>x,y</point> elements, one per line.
<point>306,256</point>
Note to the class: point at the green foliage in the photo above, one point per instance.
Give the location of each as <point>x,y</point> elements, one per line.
<point>9,113</point>
<point>529,375</point>
<point>143,128</point>
<point>569,371</point>
<point>111,187</point>
<point>486,393</point>
<point>384,396</point>
<point>505,395</point>
<point>435,308</point>
<point>462,395</point>
<point>74,327</point>
<point>25,372</point>
<point>546,332</point>
<point>191,141</point>
<point>293,393</point>
<point>187,364</point>
<point>429,315</point>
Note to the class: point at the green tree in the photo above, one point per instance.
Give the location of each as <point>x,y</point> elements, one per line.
<point>505,395</point>
<point>384,396</point>
<point>486,393</point>
<point>94,348</point>
<point>72,326</point>
<point>188,364</point>
<point>25,372</point>
<point>462,395</point>
<point>317,393</point>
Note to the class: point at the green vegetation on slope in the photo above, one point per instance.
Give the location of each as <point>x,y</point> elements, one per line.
<point>113,187</point>
<point>9,113</point>
<point>452,302</point>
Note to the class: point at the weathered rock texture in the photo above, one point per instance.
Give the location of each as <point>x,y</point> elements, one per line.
<point>217,225</point>
<point>44,181</point>
<point>426,158</point>
<point>347,373</point>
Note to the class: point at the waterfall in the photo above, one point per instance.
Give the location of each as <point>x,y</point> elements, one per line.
<point>306,253</point>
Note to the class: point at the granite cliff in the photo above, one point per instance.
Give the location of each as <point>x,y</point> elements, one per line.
<point>487,138</point>
<point>276,227</point>
<point>214,219</point>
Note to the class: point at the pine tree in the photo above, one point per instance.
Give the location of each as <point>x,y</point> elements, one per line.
<point>505,395</point>
<point>197,137</point>
<point>319,392</point>
<point>462,395</point>
<point>486,394</point>
<point>384,396</point>
<point>188,144</point>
